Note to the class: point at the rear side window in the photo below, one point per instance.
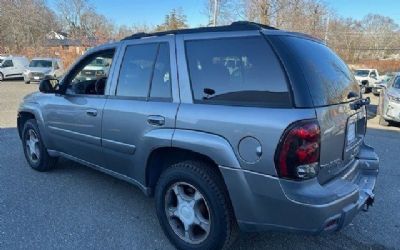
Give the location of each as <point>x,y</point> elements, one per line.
<point>136,70</point>
<point>161,83</point>
<point>236,71</point>
<point>328,78</point>
<point>145,72</point>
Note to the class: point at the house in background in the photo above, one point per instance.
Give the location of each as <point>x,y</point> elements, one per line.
<point>58,44</point>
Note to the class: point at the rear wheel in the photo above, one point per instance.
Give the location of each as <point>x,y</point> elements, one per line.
<point>34,149</point>
<point>27,82</point>
<point>193,207</point>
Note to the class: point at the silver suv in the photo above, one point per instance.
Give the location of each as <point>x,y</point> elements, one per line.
<point>234,127</point>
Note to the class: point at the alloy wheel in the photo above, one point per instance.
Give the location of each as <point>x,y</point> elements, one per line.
<point>32,146</point>
<point>187,212</point>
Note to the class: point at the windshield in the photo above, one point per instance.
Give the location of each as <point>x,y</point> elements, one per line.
<point>40,64</point>
<point>1,60</point>
<point>328,78</point>
<point>361,72</point>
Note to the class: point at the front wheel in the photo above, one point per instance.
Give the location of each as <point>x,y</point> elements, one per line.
<point>35,152</point>
<point>1,77</point>
<point>193,207</point>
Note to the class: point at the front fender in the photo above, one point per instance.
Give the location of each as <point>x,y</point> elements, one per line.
<point>32,107</point>
<point>213,146</point>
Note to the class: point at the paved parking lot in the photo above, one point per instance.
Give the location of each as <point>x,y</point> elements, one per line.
<point>74,207</point>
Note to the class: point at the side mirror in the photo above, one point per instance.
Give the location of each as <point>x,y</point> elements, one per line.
<point>48,85</point>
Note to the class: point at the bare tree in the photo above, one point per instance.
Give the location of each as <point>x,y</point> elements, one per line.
<point>24,23</point>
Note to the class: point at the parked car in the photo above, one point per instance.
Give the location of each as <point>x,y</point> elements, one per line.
<point>97,69</point>
<point>389,102</point>
<point>12,67</point>
<point>385,79</point>
<point>40,68</point>
<point>367,79</point>
<point>262,130</point>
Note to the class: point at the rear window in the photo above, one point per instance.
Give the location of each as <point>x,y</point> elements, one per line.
<point>236,71</point>
<point>329,79</point>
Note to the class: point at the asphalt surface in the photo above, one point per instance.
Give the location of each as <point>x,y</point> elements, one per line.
<point>74,207</point>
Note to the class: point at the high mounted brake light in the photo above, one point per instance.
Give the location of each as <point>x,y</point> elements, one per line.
<point>297,155</point>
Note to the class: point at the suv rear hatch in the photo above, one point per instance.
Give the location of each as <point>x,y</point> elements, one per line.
<point>321,80</point>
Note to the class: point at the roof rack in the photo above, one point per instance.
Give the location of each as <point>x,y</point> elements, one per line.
<point>235,26</point>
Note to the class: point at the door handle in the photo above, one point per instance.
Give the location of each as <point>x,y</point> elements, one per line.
<point>156,120</point>
<point>91,112</point>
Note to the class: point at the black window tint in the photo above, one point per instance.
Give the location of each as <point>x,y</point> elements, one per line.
<point>161,83</point>
<point>329,79</point>
<point>236,71</point>
<point>136,70</point>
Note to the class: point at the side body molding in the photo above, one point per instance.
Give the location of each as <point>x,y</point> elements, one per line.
<point>213,146</point>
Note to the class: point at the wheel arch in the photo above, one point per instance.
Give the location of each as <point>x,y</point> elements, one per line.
<point>189,145</point>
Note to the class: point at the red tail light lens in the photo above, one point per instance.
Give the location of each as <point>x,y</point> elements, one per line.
<point>297,156</point>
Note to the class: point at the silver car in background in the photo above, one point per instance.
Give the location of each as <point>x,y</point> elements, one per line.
<point>389,103</point>
<point>40,68</point>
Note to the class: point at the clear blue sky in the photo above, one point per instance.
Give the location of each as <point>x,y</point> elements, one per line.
<point>152,12</point>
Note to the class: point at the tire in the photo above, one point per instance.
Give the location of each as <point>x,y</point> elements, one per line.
<point>35,151</point>
<point>383,122</point>
<point>195,176</point>
<point>1,77</point>
<point>28,82</point>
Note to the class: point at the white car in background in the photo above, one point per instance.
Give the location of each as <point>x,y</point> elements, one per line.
<point>12,66</point>
<point>40,68</point>
<point>367,79</point>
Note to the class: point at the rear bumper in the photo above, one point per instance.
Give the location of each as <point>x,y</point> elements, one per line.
<point>264,202</point>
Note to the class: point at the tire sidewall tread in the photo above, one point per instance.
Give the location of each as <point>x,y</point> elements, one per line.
<point>208,181</point>
<point>46,162</point>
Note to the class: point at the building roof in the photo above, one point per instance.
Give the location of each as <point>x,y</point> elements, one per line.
<point>235,26</point>
<point>62,42</point>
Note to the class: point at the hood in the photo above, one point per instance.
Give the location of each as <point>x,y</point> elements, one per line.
<point>91,67</point>
<point>39,69</point>
<point>361,77</point>
<point>31,97</point>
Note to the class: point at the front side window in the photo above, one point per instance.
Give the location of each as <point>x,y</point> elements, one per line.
<point>89,77</point>
<point>236,71</point>
<point>8,63</point>
<point>145,72</point>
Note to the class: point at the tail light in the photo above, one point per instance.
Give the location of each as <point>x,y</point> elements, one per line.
<point>297,156</point>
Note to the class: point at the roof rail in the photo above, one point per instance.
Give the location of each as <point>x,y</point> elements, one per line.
<point>235,26</point>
